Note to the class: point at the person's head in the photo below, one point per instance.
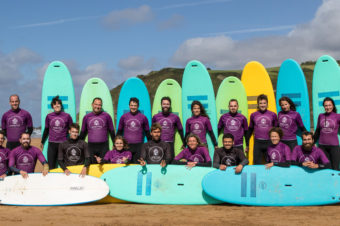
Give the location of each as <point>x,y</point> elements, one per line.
<point>287,104</point>
<point>120,143</point>
<point>228,141</point>
<point>329,105</point>
<point>133,104</point>
<point>197,109</point>
<point>74,131</point>
<point>156,131</point>
<point>233,106</point>
<point>2,137</point>
<point>275,135</point>
<point>14,101</point>
<point>57,104</point>
<point>166,104</point>
<point>97,105</point>
<point>262,102</point>
<point>193,141</point>
<point>307,140</point>
<point>25,140</point>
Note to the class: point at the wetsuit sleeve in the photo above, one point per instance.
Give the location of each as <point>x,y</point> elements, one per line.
<point>179,156</point>
<point>177,162</point>
<point>45,135</point>
<point>282,164</point>
<point>112,135</point>
<point>206,155</point>
<point>41,157</point>
<point>143,151</point>
<point>167,154</point>
<point>86,150</point>
<point>87,162</point>
<point>205,164</point>
<point>317,131</point>
<point>217,160</point>
<point>121,126</point>
<point>250,129</point>
<point>111,128</point>
<point>83,131</point>
<point>15,170</point>
<point>325,166</point>
<point>62,164</point>
<point>61,156</point>
<point>213,138</point>
<point>182,136</point>
<point>11,160</point>
<point>220,126</point>
<point>3,122</point>
<point>275,120</point>
<point>29,124</point>
<point>243,159</point>
<point>30,130</point>
<point>299,123</point>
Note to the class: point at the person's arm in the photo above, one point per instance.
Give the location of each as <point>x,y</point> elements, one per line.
<point>29,124</point>
<point>275,120</point>
<point>205,164</point>
<point>317,131</point>
<point>220,126</point>
<point>143,151</point>
<point>180,129</point>
<point>83,132</point>
<point>111,129</point>
<point>3,123</point>
<point>177,159</point>
<point>217,160</point>
<point>146,128</point>
<point>282,164</point>
<point>250,129</point>
<point>243,159</point>
<point>182,136</point>
<point>210,131</point>
<point>45,135</point>
<point>299,123</point>
<point>167,153</point>
<point>121,126</point>
<point>61,156</point>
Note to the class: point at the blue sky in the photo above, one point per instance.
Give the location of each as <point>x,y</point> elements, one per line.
<point>115,40</point>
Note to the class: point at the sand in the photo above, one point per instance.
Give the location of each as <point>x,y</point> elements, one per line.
<point>138,214</point>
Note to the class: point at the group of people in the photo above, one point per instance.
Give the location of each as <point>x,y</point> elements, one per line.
<point>275,138</point>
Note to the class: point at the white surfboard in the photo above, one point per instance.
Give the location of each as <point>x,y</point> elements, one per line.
<point>54,189</point>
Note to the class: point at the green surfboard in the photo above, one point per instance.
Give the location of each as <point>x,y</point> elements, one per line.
<point>230,88</point>
<point>57,81</point>
<point>95,87</point>
<point>172,89</point>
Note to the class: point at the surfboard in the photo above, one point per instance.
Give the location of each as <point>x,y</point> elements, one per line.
<point>297,91</point>
<point>95,87</point>
<point>197,85</point>
<point>230,88</point>
<point>57,81</point>
<point>172,89</point>
<point>54,189</point>
<point>150,184</point>
<point>95,170</point>
<point>256,81</point>
<point>326,83</point>
<point>134,87</point>
<point>279,186</point>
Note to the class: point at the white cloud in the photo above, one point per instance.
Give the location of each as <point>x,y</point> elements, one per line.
<point>136,65</point>
<point>304,42</point>
<point>191,4</point>
<point>174,21</point>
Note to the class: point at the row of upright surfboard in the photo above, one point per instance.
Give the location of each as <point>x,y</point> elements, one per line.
<point>197,85</point>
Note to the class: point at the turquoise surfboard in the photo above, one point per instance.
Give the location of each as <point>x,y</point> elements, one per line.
<point>134,87</point>
<point>197,85</point>
<point>57,81</point>
<point>279,186</point>
<point>326,83</point>
<point>291,83</point>
<point>150,184</point>
<point>170,88</point>
<point>95,87</point>
<point>230,88</point>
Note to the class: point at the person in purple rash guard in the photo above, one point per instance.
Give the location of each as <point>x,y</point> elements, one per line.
<point>4,155</point>
<point>22,159</point>
<point>196,154</point>
<point>234,123</point>
<point>132,126</point>
<point>97,125</point>
<point>119,154</point>
<point>260,123</point>
<point>56,126</point>
<point>278,153</point>
<point>169,122</point>
<point>290,122</point>
<point>308,155</point>
<point>16,121</point>
<point>327,132</point>
<point>199,124</point>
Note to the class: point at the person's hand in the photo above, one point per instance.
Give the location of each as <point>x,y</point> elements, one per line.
<point>313,165</point>
<point>141,162</point>
<point>3,176</point>
<point>44,172</point>
<point>24,174</point>
<point>124,160</point>
<point>42,146</point>
<point>163,163</point>
<point>238,169</point>
<point>190,165</point>
<point>99,160</point>
<point>269,165</point>
<point>67,172</point>
<point>223,167</point>
<point>83,172</point>
<point>246,149</point>
<point>307,164</point>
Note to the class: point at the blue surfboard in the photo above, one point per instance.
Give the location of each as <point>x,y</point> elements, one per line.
<point>197,85</point>
<point>291,83</point>
<point>134,87</point>
<point>279,186</point>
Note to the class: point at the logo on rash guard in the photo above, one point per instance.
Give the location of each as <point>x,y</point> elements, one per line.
<point>263,122</point>
<point>57,125</point>
<point>156,154</point>
<point>327,126</point>
<point>233,124</point>
<point>229,160</point>
<point>197,128</point>
<point>275,155</point>
<point>285,121</point>
<point>73,153</point>
<point>196,158</point>
<point>25,160</point>
<point>96,123</point>
<point>117,159</point>
<point>307,159</point>
<point>166,124</point>
<point>15,121</point>
<point>133,125</point>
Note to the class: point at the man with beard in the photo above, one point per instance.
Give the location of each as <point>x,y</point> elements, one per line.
<point>15,122</point>
<point>132,126</point>
<point>169,122</point>
<point>308,155</point>
<point>4,153</point>
<point>229,155</point>
<point>22,159</point>
<point>97,124</point>
<point>74,152</point>
<point>155,151</point>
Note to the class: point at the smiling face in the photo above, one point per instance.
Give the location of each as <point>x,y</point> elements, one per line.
<point>25,140</point>
<point>196,110</point>
<point>192,143</point>
<point>328,106</point>
<point>14,102</point>
<point>119,144</point>
<point>165,106</point>
<point>263,105</point>
<point>74,133</point>
<point>156,134</point>
<point>57,107</point>
<point>233,107</point>
<point>307,142</point>
<point>228,143</point>
<point>274,137</point>
<point>97,106</point>
<point>285,106</point>
<point>133,107</point>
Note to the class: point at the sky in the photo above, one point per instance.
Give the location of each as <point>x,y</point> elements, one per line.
<point>115,40</point>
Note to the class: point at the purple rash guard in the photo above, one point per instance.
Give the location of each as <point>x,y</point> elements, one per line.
<point>236,125</point>
<point>278,153</point>
<point>115,156</point>
<point>24,159</point>
<point>262,122</point>
<point>316,155</point>
<point>289,122</point>
<point>133,127</point>
<point>97,126</point>
<point>200,155</point>
<point>58,125</point>
<point>4,155</point>
<point>329,125</point>
<point>198,125</point>
<point>168,124</point>
<point>15,123</point>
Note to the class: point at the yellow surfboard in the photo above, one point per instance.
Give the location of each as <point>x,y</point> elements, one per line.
<point>96,170</point>
<point>256,81</point>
